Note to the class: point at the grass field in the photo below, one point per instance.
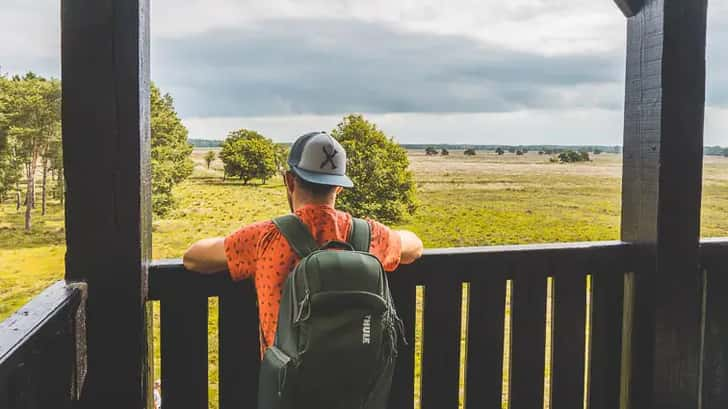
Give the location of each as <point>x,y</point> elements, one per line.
<point>463,201</point>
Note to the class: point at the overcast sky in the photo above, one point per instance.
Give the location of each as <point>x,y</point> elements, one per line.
<point>426,71</point>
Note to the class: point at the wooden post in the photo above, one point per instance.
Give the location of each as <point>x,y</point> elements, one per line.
<point>663,157</point>
<point>106,148</point>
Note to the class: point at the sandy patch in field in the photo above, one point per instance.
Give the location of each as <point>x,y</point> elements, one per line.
<point>605,165</point>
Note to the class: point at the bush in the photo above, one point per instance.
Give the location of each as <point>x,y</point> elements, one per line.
<point>430,151</point>
<point>573,156</point>
<point>469,152</point>
<point>519,152</point>
<point>499,151</point>
<point>384,189</point>
<point>249,155</point>
<point>444,152</point>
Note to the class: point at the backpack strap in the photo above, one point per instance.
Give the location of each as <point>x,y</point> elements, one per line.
<point>297,234</point>
<point>360,235</point>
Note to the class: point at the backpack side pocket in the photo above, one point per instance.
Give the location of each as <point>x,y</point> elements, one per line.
<point>276,370</point>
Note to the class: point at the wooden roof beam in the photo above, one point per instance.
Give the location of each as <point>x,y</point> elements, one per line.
<point>629,7</point>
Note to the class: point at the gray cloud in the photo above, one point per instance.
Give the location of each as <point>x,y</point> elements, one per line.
<point>717,57</point>
<point>294,66</point>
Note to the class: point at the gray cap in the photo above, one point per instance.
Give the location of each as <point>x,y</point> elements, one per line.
<point>318,158</point>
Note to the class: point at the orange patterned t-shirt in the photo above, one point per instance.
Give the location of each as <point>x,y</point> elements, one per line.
<point>259,251</point>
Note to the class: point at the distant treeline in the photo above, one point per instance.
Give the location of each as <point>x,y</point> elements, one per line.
<point>213,143</point>
<point>709,150</point>
<point>522,148</point>
<point>716,151</point>
<point>205,143</point>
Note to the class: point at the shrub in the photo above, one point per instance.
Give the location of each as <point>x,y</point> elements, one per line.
<point>444,152</point>
<point>384,188</point>
<point>499,151</point>
<point>573,156</point>
<point>249,155</point>
<point>430,151</point>
<point>469,152</point>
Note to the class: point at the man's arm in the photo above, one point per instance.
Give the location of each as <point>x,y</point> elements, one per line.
<point>411,246</point>
<point>206,256</point>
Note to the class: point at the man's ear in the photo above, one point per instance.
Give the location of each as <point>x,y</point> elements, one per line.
<point>289,179</point>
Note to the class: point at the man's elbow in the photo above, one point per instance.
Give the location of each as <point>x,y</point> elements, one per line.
<point>189,262</point>
<point>412,247</point>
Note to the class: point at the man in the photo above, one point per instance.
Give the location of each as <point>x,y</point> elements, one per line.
<point>258,251</point>
<point>157,394</point>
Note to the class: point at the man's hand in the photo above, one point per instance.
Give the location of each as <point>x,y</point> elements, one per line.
<point>206,256</point>
<point>411,246</point>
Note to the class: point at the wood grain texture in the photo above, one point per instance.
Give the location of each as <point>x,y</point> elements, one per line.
<point>714,262</point>
<point>105,73</point>
<point>662,181</point>
<point>38,346</point>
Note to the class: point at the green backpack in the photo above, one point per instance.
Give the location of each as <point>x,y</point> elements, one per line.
<point>337,335</point>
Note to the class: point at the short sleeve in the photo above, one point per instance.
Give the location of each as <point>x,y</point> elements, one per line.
<point>241,251</point>
<point>386,245</point>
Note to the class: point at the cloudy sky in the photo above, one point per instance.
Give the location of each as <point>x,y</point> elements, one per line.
<point>426,71</point>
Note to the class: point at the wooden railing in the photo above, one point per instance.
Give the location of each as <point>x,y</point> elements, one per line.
<point>489,273</point>
<point>42,350</point>
<point>473,347</point>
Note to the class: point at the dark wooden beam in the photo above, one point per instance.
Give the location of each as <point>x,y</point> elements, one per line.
<point>663,156</point>
<point>629,7</point>
<point>105,60</point>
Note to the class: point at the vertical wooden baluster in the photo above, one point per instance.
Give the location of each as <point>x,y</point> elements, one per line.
<point>239,347</point>
<point>569,323</point>
<point>440,364</point>
<point>403,289</point>
<point>606,339</point>
<point>184,342</point>
<point>528,336</point>
<point>485,339</point>
<point>715,367</point>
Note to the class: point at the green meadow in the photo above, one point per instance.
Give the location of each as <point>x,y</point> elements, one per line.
<point>463,201</point>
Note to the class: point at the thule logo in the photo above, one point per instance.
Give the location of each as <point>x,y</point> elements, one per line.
<point>366,330</point>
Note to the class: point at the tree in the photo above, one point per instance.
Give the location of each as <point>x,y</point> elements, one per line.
<point>499,151</point>
<point>597,151</point>
<point>519,152</point>
<point>469,152</point>
<point>31,110</point>
<point>248,155</point>
<point>444,152</point>
<point>209,157</point>
<point>9,162</point>
<point>171,161</point>
<point>430,151</point>
<point>384,188</point>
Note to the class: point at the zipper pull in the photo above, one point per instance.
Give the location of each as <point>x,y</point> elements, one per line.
<point>305,304</point>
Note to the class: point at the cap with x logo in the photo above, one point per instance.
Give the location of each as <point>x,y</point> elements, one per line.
<point>318,158</point>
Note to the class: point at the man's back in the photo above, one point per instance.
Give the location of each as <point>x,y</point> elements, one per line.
<point>259,251</point>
